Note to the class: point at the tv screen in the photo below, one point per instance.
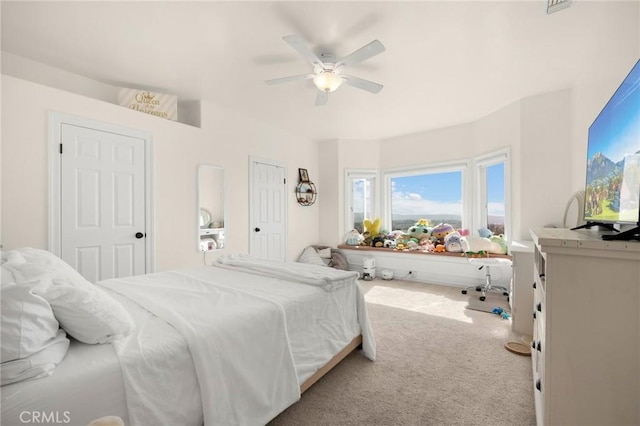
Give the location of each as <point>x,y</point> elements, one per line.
<point>612,191</point>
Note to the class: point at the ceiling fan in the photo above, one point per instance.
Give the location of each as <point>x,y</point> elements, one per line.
<point>327,71</point>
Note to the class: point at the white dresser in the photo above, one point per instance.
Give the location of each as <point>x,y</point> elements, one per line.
<point>586,337</point>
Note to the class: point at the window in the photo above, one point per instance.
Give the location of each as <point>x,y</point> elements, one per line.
<point>471,193</point>
<point>492,192</point>
<point>433,196</point>
<point>361,198</point>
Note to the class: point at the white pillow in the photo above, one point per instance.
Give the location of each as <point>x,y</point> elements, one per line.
<point>310,255</point>
<point>85,311</point>
<point>32,342</point>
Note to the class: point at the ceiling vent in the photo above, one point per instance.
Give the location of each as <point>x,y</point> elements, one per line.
<point>556,5</point>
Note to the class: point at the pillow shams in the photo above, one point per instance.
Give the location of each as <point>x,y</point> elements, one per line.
<point>86,312</point>
<point>32,343</point>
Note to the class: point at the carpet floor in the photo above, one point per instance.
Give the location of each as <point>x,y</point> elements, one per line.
<point>437,364</point>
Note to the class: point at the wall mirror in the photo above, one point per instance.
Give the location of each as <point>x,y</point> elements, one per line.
<point>211,208</point>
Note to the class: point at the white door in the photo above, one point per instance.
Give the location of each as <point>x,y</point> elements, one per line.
<point>102,194</point>
<point>267,210</point>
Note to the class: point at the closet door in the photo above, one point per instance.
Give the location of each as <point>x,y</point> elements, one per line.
<point>267,210</point>
<point>102,184</point>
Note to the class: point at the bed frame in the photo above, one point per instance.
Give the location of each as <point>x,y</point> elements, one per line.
<point>351,346</point>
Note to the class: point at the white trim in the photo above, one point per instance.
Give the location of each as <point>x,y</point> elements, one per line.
<point>461,166</point>
<point>252,203</point>
<point>480,164</point>
<point>56,120</point>
<point>349,175</point>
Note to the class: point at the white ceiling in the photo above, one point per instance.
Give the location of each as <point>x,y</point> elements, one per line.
<point>445,62</point>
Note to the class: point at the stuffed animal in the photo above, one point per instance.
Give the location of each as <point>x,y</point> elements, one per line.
<point>440,231</point>
<point>353,238</point>
<point>501,242</point>
<point>389,243</point>
<point>427,245</point>
<point>367,239</point>
<point>440,248</point>
<point>478,245</point>
<point>420,230</point>
<point>485,232</point>
<point>377,241</point>
<point>452,242</point>
<point>372,227</point>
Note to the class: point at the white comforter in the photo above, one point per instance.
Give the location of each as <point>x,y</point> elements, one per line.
<point>238,343</point>
<point>327,278</point>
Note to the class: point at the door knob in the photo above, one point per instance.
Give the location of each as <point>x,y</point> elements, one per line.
<point>139,235</point>
<point>257,229</point>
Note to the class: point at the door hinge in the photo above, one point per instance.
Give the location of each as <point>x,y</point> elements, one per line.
<point>60,148</point>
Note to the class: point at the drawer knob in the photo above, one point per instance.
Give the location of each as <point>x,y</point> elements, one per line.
<point>539,385</point>
<point>539,307</point>
<point>534,284</point>
<point>539,348</point>
<point>534,315</point>
<point>533,345</point>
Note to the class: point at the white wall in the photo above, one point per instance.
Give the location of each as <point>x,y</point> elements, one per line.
<point>225,139</point>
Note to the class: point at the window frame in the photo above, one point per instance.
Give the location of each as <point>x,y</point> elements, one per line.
<point>349,176</point>
<point>461,166</point>
<point>480,191</point>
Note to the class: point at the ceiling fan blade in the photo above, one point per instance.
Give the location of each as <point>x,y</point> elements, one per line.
<point>361,83</point>
<point>362,54</point>
<point>321,98</point>
<point>304,51</point>
<point>288,79</point>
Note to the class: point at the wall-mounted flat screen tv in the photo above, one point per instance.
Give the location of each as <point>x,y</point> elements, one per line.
<point>612,191</point>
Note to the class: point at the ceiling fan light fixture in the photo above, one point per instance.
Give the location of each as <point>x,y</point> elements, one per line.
<point>327,81</point>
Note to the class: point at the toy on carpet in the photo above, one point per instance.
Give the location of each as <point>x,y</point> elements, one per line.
<point>499,311</point>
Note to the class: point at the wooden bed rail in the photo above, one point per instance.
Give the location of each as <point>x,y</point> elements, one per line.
<point>351,346</point>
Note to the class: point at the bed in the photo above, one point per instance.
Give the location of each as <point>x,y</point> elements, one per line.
<point>233,343</point>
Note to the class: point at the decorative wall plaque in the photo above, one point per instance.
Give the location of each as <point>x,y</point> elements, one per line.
<point>159,104</point>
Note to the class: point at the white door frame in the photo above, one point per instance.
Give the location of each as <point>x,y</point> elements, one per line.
<point>253,203</point>
<point>56,120</point>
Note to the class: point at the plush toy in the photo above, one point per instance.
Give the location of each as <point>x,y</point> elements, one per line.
<point>500,241</point>
<point>427,245</point>
<point>377,241</point>
<point>403,239</point>
<point>463,232</point>
<point>420,230</point>
<point>440,231</point>
<point>452,242</point>
<point>413,245</point>
<point>485,232</point>
<point>499,311</point>
<point>367,239</point>
<point>440,248</point>
<point>390,243</point>
<point>353,238</point>
<point>479,245</point>
<point>372,227</point>
<point>400,246</point>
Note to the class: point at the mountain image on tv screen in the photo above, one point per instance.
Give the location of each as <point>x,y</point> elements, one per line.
<point>612,191</point>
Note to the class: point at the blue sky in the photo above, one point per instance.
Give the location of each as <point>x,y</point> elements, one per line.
<point>441,193</point>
